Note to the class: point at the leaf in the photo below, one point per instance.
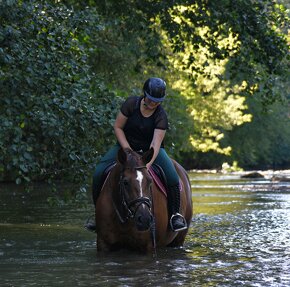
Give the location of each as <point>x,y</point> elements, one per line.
<point>23,168</point>
<point>27,155</point>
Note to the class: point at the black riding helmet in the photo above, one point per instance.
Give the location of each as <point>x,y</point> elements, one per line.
<point>154,89</point>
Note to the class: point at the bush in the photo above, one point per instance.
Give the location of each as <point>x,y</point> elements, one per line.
<point>55,114</point>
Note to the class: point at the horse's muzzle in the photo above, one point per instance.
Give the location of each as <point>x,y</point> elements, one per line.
<point>143,219</point>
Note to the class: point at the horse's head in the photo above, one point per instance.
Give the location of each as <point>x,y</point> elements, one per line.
<point>135,198</point>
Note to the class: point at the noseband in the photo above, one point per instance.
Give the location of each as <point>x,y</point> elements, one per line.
<point>129,206</point>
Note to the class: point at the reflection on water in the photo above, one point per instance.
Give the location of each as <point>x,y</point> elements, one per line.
<point>240,236</point>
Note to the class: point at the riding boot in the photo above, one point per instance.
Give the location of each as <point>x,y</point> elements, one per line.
<point>177,221</point>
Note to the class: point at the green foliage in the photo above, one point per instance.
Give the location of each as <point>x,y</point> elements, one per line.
<point>263,143</point>
<point>258,26</point>
<point>180,124</point>
<point>266,141</point>
<point>225,52</point>
<point>211,101</point>
<point>213,54</point>
<point>126,44</point>
<point>55,115</point>
<point>64,67</point>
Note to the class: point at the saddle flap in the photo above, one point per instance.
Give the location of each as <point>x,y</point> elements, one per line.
<point>155,171</point>
<point>159,178</point>
<point>106,172</point>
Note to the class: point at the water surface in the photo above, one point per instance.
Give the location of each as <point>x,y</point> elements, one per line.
<point>239,236</point>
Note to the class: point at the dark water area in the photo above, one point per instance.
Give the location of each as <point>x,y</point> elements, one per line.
<point>239,236</point>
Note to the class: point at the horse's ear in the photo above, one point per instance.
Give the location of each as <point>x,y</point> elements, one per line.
<point>122,156</point>
<point>147,156</point>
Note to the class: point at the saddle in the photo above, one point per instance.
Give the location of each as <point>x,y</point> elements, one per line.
<point>155,171</point>
<point>159,177</point>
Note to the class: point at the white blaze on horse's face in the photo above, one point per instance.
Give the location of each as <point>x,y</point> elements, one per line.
<point>140,179</point>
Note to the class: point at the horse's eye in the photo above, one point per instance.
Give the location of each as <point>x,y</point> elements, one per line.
<point>125,182</point>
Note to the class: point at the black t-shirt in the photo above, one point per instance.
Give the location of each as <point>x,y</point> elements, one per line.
<point>139,130</point>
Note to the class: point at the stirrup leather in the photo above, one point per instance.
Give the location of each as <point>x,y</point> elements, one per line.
<point>184,222</point>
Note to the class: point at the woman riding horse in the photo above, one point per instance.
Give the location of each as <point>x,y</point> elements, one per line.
<point>140,125</point>
<point>131,210</point>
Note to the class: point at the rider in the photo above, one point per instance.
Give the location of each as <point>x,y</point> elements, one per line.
<point>142,124</point>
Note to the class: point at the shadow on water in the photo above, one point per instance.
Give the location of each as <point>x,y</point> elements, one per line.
<point>240,236</point>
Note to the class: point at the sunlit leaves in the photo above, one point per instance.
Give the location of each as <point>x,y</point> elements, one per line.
<point>215,104</point>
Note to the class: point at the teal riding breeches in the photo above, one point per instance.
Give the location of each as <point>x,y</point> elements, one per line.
<point>162,160</point>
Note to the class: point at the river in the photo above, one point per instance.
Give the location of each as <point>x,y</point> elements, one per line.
<point>239,236</point>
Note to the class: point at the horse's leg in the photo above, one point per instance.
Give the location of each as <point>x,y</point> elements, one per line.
<point>179,239</point>
<point>102,245</point>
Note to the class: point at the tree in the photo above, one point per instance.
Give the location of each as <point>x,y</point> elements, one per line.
<point>55,115</point>
<point>65,66</point>
<point>215,54</point>
<point>227,51</point>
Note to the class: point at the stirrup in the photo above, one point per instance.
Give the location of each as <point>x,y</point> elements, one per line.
<point>90,225</point>
<point>181,217</point>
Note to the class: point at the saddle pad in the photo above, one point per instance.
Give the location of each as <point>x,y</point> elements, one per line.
<point>157,181</point>
<point>153,174</point>
<point>160,182</point>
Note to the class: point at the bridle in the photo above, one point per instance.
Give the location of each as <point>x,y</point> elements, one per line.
<point>128,207</point>
<point>137,202</point>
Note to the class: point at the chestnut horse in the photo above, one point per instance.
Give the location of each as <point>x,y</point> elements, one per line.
<point>131,211</point>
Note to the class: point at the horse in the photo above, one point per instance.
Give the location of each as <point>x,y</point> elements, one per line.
<point>132,212</point>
